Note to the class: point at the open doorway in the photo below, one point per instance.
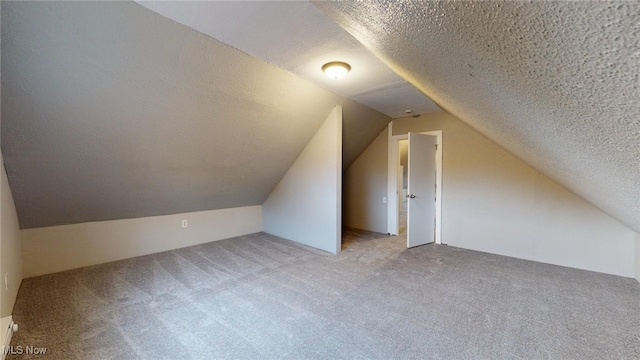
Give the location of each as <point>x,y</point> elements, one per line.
<point>398,172</point>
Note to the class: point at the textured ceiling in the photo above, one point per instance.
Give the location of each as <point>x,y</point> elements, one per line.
<point>360,126</point>
<point>556,83</point>
<point>296,36</point>
<point>111,111</point>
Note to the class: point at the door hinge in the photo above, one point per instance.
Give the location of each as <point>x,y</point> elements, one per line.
<point>436,146</point>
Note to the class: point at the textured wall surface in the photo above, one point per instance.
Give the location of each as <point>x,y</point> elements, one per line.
<point>58,248</point>
<point>494,202</point>
<point>364,186</point>
<point>555,83</point>
<point>111,111</point>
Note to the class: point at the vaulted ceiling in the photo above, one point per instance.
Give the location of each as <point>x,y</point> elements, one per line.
<point>556,83</point>
<point>110,110</point>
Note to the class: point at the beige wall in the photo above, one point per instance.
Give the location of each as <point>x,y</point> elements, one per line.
<point>494,202</point>
<point>403,152</point>
<point>364,186</point>
<point>638,257</point>
<point>10,249</point>
<point>57,248</point>
<point>306,205</point>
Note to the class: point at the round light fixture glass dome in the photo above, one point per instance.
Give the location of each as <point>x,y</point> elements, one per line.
<point>336,69</point>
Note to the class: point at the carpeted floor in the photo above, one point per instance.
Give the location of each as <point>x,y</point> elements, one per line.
<point>261,297</point>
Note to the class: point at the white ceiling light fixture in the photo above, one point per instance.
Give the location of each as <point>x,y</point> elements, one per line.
<point>297,24</point>
<point>336,70</point>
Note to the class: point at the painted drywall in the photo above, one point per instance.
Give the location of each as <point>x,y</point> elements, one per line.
<point>638,257</point>
<point>365,185</point>
<point>553,82</point>
<point>496,203</point>
<point>297,37</point>
<point>10,249</point>
<point>57,248</point>
<point>403,151</point>
<point>306,206</point>
<point>111,111</point>
<point>5,333</point>
<point>360,126</point>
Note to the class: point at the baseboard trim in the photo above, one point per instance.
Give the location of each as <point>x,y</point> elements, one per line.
<point>7,332</point>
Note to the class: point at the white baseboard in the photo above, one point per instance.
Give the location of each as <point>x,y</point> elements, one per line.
<point>6,331</point>
<point>57,248</point>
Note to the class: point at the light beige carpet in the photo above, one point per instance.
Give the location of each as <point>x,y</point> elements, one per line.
<point>262,297</point>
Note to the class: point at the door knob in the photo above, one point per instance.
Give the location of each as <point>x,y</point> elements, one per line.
<point>410,196</point>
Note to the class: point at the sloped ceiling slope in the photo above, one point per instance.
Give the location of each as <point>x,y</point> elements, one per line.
<point>111,111</point>
<point>297,37</point>
<point>359,123</point>
<point>555,83</point>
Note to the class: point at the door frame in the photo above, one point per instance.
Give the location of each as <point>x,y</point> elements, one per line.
<point>393,211</point>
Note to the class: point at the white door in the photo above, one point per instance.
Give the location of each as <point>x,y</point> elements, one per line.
<point>421,205</point>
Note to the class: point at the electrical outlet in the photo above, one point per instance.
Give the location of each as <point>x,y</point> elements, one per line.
<point>184,223</point>
<point>384,199</point>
